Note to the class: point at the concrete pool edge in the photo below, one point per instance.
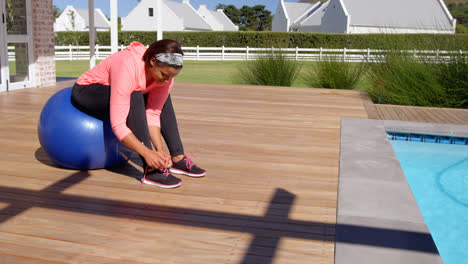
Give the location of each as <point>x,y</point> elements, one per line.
<point>378,219</point>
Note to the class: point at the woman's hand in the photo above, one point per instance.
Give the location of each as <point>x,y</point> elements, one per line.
<point>156,160</point>
<point>167,157</point>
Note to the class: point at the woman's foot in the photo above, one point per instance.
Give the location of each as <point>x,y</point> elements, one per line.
<point>184,165</point>
<point>160,178</point>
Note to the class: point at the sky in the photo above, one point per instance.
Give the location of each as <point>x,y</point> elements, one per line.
<point>125,6</point>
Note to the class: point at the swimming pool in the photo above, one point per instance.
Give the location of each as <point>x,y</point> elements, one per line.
<point>438,176</point>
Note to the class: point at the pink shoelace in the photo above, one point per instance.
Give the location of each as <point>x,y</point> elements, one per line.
<point>189,163</point>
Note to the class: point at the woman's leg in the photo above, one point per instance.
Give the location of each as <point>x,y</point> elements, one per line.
<point>92,99</point>
<point>136,120</point>
<point>138,123</point>
<point>170,130</point>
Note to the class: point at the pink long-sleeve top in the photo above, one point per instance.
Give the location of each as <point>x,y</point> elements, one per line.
<point>124,72</point>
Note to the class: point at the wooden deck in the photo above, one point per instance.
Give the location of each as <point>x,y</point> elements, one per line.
<point>421,114</point>
<point>270,195</point>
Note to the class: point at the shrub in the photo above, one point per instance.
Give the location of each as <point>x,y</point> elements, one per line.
<point>453,76</point>
<point>400,78</point>
<point>274,69</point>
<point>334,73</point>
<point>461,29</point>
<point>267,39</point>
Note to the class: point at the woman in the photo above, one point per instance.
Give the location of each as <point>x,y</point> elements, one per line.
<point>131,87</point>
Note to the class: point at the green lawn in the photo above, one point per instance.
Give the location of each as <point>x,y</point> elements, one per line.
<point>12,67</point>
<point>71,68</point>
<point>193,71</point>
<point>222,72</point>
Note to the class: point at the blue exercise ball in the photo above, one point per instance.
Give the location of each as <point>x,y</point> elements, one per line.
<point>76,140</point>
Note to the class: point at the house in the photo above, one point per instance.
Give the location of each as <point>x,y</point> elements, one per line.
<point>217,19</point>
<point>75,19</point>
<point>175,16</point>
<point>365,16</point>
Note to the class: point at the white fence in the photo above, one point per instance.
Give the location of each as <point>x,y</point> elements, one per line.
<point>70,53</point>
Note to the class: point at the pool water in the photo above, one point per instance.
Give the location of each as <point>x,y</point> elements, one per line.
<point>438,176</point>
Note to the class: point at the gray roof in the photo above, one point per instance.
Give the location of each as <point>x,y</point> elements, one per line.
<point>315,19</point>
<point>99,21</point>
<point>399,13</point>
<point>192,20</point>
<point>222,19</point>
<point>296,10</point>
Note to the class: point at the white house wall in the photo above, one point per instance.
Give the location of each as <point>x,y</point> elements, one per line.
<point>135,21</point>
<point>104,18</point>
<point>336,18</point>
<point>224,21</point>
<point>414,14</point>
<point>171,22</point>
<point>313,23</point>
<point>64,22</point>
<point>310,29</point>
<point>210,19</point>
<point>354,29</point>
<point>280,21</point>
<point>228,25</point>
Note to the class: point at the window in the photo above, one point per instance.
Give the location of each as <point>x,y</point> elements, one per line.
<point>150,11</point>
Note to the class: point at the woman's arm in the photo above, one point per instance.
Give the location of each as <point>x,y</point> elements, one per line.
<point>153,159</point>
<point>155,134</point>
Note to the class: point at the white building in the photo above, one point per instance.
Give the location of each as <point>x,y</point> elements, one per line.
<point>75,19</point>
<point>175,17</point>
<point>217,19</point>
<point>365,16</point>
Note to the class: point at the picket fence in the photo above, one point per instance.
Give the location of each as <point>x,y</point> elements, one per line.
<point>71,53</point>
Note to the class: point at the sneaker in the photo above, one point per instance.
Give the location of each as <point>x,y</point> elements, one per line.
<point>187,167</point>
<point>161,178</point>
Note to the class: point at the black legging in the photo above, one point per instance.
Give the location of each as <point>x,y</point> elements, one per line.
<point>94,100</point>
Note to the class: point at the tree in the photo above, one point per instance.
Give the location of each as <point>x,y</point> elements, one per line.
<point>71,15</point>
<point>262,18</point>
<point>256,18</point>
<point>231,11</point>
<point>221,6</point>
<point>57,12</point>
<point>248,18</point>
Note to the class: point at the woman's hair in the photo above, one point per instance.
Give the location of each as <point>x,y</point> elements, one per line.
<point>162,46</point>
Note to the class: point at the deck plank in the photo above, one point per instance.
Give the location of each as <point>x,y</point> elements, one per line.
<point>423,114</point>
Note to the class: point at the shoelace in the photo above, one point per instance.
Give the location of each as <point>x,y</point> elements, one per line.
<point>165,172</point>
<point>189,163</point>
